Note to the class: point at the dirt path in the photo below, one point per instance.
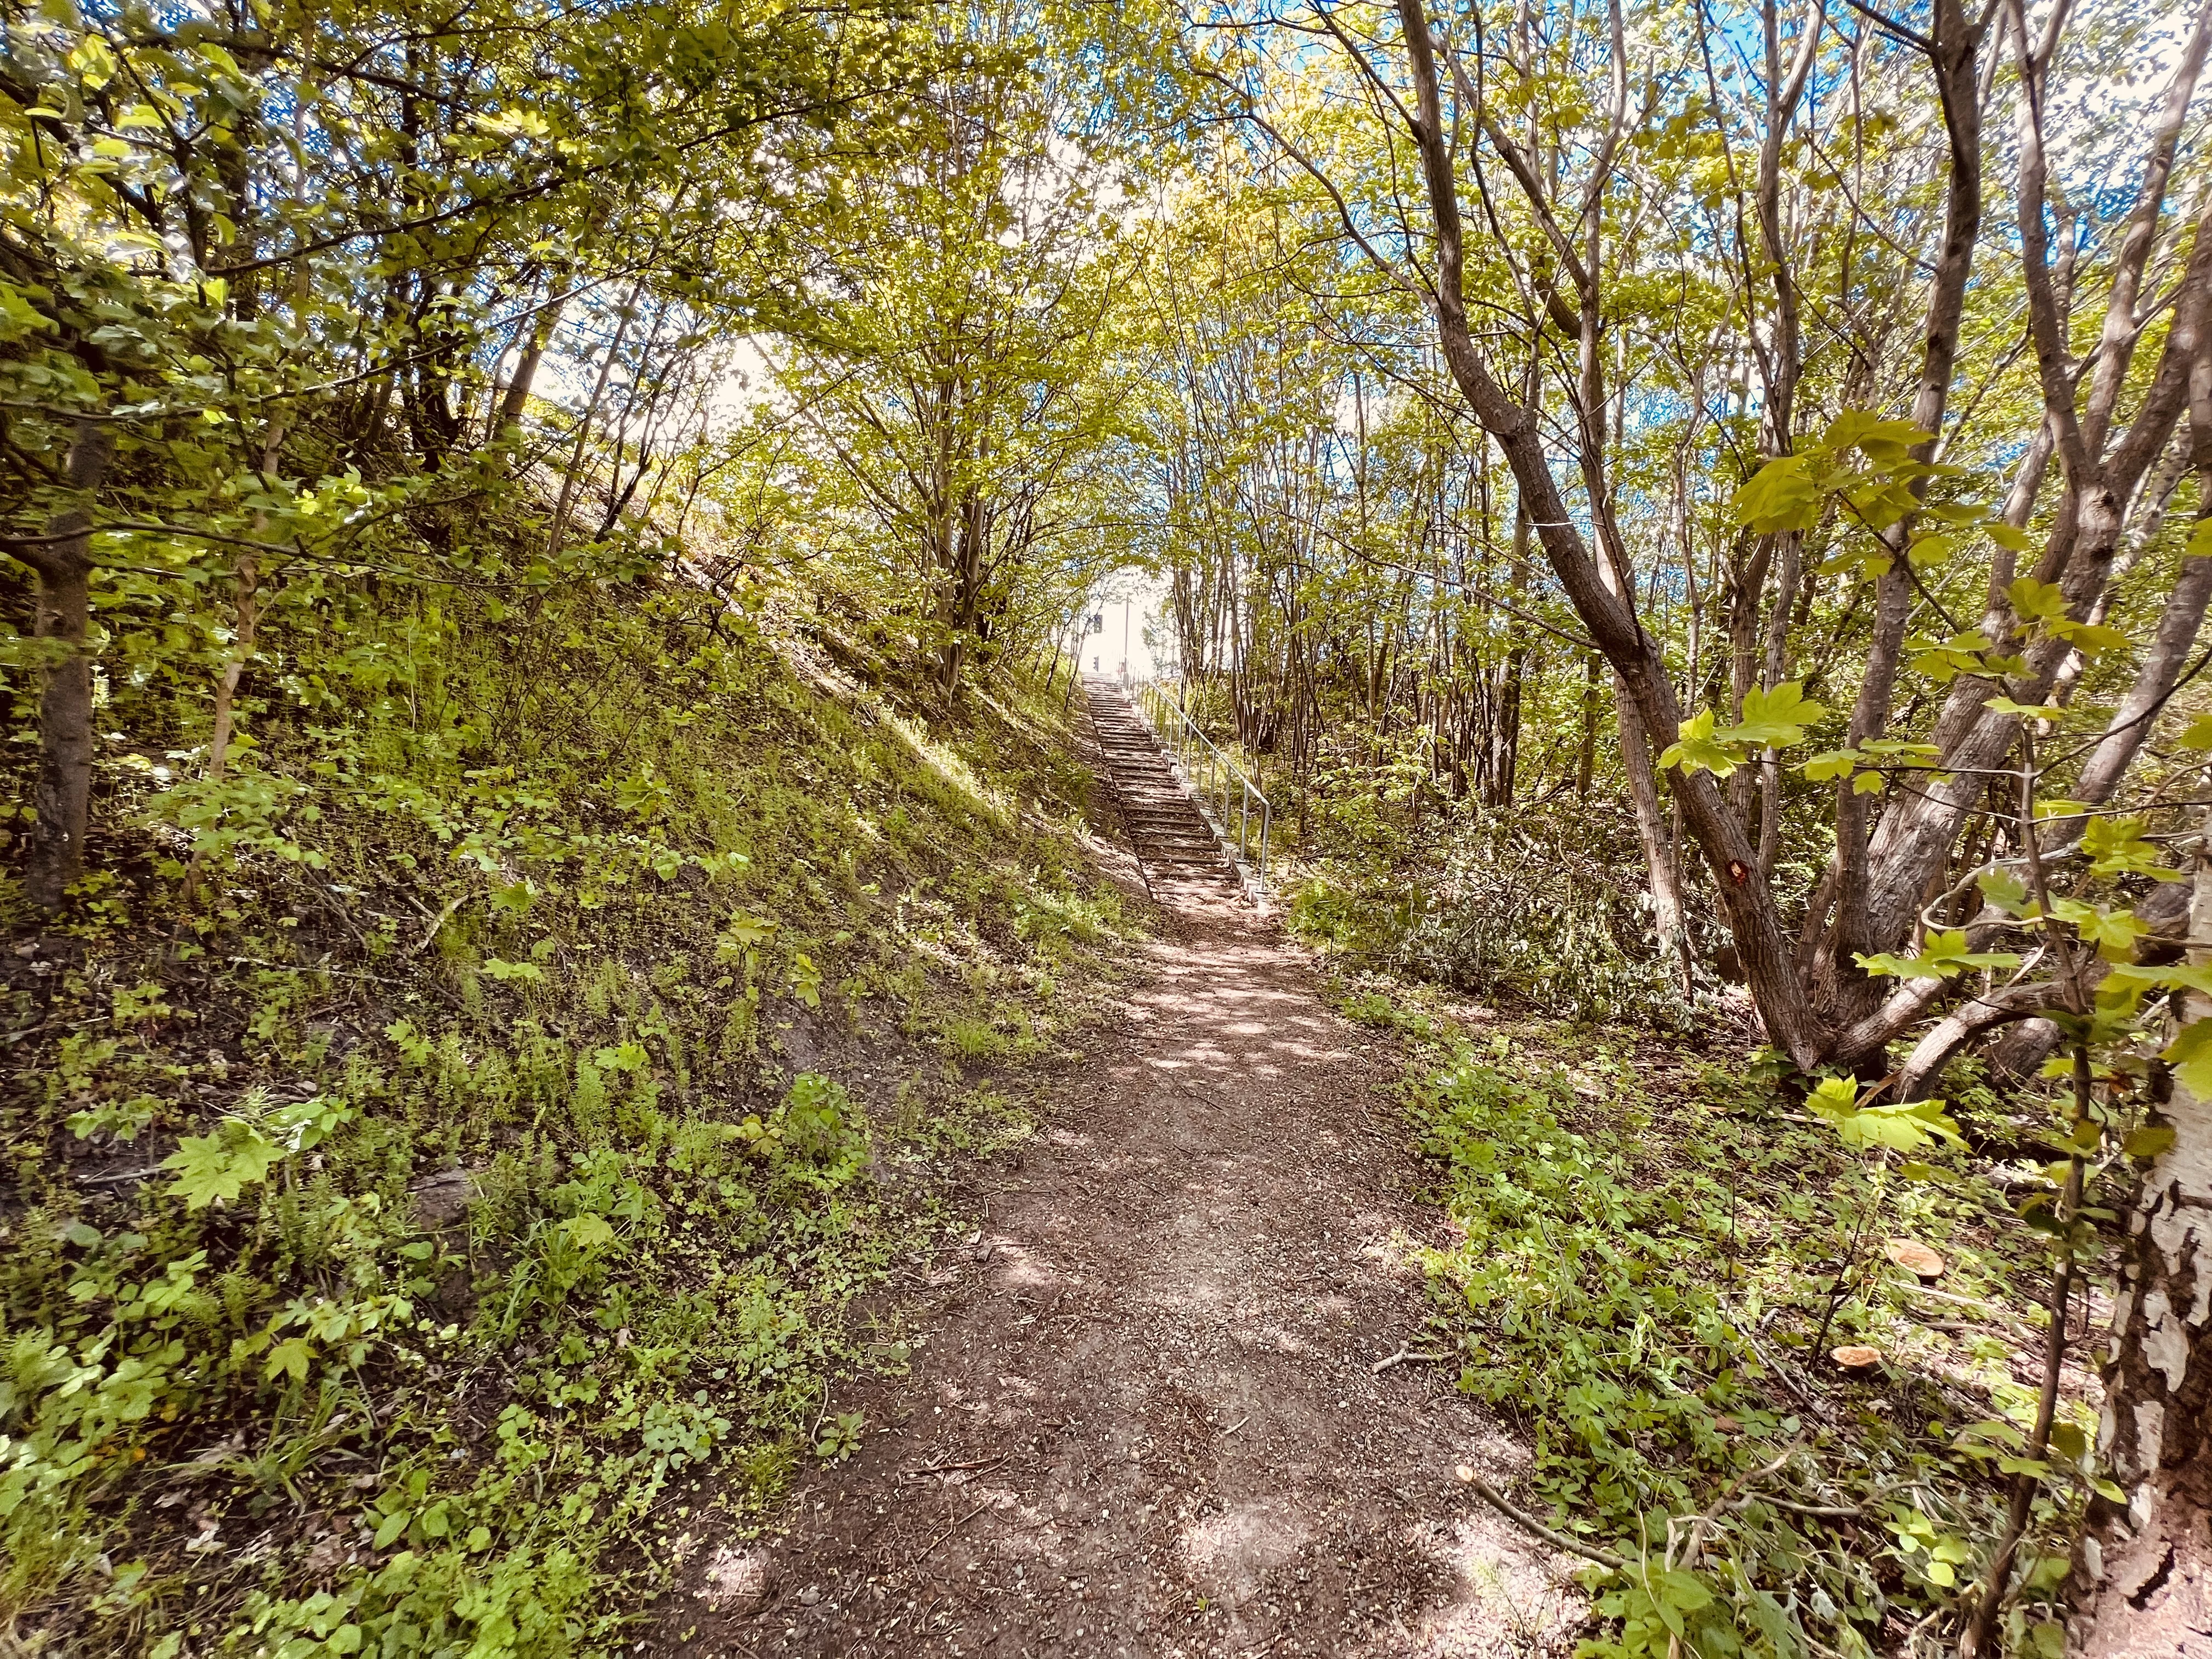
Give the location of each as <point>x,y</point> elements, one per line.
<point>1146,1420</point>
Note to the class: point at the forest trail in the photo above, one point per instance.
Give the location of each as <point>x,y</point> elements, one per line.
<point>1146,1417</point>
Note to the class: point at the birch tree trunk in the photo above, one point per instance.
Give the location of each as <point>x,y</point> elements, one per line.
<point>2147,1565</point>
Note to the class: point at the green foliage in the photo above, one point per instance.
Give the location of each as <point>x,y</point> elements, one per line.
<point>1774,718</point>
<point>1635,1280</point>
<point>1898,1125</point>
<point>1942,955</point>
<point>492,1219</point>
<point>1548,906</point>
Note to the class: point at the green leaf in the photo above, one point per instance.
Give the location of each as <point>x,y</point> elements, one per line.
<point>1932,548</point>
<point>1773,719</point>
<point>2116,846</point>
<point>2113,933</point>
<point>221,1165</point>
<point>2004,891</point>
<point>1944,661</point>
<point>2190,1054</point>
<point>747,929</point>
<point>1781,496</point>
<point>589,1232</point>
<point>2034,711</point>
<point>1679,1589</point>
<point>290,1357</point>
<point>2148,1142</point>
<point>1942,955</point>
<point>622,1057</point>
<point>2035,601</point>
<point>2090,639</point>
<point>512,971</point>
<point>1904,1127</point>
<point>388,1533</point>
<point>1694,749</point>
<point>18,317</point>
<point>1886,442</point>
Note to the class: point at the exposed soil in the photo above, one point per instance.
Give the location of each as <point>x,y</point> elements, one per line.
<point>1146,1418</point>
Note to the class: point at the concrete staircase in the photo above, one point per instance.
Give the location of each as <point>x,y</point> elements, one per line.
<point>1165,827</point>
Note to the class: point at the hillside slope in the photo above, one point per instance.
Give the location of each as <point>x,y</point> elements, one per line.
<point>439,1137</point>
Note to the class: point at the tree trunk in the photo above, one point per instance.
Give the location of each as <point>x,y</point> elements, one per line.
<point>62,796</point>
<point>1746,906</point>
<point>1651,828</point>
<point>2146,1566</point>
<point>534,338</point>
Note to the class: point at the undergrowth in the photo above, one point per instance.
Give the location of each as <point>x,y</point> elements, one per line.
<point>1548,903</point>
<point>442,1149</point>
<point>1653,1260</point>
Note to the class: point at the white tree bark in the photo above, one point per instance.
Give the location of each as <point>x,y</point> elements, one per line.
<point>2147,1565</point>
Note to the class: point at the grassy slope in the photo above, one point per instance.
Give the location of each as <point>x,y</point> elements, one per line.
<point>517,1047</point>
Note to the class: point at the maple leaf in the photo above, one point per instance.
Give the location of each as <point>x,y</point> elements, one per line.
<point>1695,749</point>
<point>588,1231</point>
<point>2191,1056</point>
<point>2116,846</point>
<point>290,1356</point>
<point>2004,891</point>
<point>1905,1127</point>
<point>1773,719</point>
<point>1942,954</point>
<point>2114,933</point>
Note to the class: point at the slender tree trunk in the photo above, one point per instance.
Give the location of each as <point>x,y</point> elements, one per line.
<point>63,795</point>
<point>536,336</point>
<point>1586,748</point>
<point>1652,829</point>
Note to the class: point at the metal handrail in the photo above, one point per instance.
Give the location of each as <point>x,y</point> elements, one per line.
<point>1190,750</point>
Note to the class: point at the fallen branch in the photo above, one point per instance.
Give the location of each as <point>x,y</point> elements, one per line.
<point>1822,1512</point>
<point>954,1528</point>
<point>1729,1499</point>
<point>1403,1356</point>
<point>1558,1540</point>
<point>983,1463</point>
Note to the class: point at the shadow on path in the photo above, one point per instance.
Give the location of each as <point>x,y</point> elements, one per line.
<point>1147,1420</point>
